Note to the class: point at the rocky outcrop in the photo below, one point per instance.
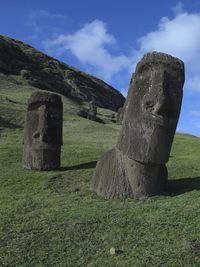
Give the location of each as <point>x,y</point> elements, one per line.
<point>47,73</point>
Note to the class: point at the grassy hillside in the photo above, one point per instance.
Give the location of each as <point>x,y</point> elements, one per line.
<point>52,218</point>
<point>45,72</point>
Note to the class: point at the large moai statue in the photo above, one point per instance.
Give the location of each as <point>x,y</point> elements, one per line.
<point>135,167</point>
<point>43,132</point>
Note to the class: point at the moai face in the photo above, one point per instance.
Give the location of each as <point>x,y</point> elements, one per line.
<point>152,109</point>
<point>43,132</point>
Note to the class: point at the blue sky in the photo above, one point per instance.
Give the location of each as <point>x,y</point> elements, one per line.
<point>107,38</point>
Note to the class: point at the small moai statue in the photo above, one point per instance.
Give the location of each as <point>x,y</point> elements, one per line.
<point>92,110</point>
<point>136,166</point>
<point>43,132</point>
<point>120,115</point>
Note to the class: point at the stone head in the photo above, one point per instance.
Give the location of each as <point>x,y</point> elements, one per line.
<point>43,129</point>
<point>152,108</point>
<point>92,109</point>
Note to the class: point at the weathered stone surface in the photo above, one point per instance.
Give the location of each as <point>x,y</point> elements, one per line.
<point>47,73</point>
<point>136,166</point>
<point>120,115</point>
<point>92,110</point>
<point>117,176</point>
<point>109,179</point>
<point>152,109</point>
<point>43,132</point>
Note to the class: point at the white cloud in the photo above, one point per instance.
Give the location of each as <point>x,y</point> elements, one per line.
<point>37,22</point>
<point>93,46</point>
<point>179,37</point>
<point>195,114</point>
<point>195,118</point>
<point>178,8</point>
<point>183,130</point>
<point>90,46</point>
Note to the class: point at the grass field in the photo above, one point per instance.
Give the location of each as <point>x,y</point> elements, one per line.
<point>53,219</point>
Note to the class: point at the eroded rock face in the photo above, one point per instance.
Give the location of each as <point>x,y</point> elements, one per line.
<point>136,166</point>
<point>43,132</point>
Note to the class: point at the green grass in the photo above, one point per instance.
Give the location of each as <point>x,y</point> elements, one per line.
<point>53,219</point>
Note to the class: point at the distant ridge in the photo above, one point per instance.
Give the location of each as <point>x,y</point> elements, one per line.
<point>47,73</point>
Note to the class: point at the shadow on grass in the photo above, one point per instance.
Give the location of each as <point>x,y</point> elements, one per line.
<point>7,124</point>
<point>84,113</point>
<point>183,185</point>
<point>82,166</point>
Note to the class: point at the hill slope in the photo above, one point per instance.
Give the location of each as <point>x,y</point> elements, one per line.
<point>44,72</point>
<point>53,219</point>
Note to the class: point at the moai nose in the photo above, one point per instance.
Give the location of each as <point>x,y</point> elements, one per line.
<point>161,107</point>
<point>43,123</point>
<point>162,104</point>
<point>42,130</point>
<point>157,102</point>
